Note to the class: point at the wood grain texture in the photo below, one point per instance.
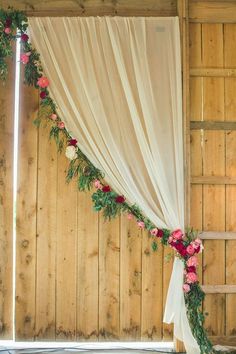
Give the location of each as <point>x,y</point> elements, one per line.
<point>66,255</point>
<point>109,279</point>
<point>195,45</point>
<point>152,291</point>
<point>6,201</point>
<point>213,72</point>
<point>87,270</point>
<point>26,216</point>
<point>131,280</point>
<point>94,7</point>
<point>46,237</point>
<point>212,11</point>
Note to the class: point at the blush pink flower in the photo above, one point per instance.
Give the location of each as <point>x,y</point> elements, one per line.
<point>154,231</point>
<point>61,125</point>
<point>130,216</point>
<point>7,30</point>
<point>28,54</point>
<point>24,58</point>
<point>170,239</point>
<point>177,234</point>
<point>97,184</point>
<point>43,82</point>
<point>191,278</point>
<point>192,261</point>
<point>186,288</point>
<point>53,116</point>
<point>190,250</point>
<point>197,243</point>
<point>141,224</point>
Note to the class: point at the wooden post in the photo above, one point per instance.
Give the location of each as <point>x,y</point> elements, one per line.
<point>182,7</point>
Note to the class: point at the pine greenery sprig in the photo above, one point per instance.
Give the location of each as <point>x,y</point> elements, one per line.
<point>13,25</point>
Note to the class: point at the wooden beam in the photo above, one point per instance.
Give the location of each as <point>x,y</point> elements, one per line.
<point>94,7</point>
<point>219,289</point>
<point>223,340</point>
<point>216,235</point>
<point>213,180</point>
<point>213,72</point>
<point>212,125</point>
<point>223,11</point>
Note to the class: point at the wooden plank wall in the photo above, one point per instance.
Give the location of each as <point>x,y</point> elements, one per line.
<point>213,164</point>
<point>77,277</point>
<point>6,201</point>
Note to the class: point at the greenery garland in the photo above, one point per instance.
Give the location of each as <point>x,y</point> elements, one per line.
<point>13,25</point>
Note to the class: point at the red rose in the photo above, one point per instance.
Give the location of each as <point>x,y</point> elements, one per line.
<point>24,37</point>
<point>160,233</point>
<point>197,250</point>
<point>191,269</point>
<point>106,189</point>
<point>120,199</point>
<point>8,22</point>
<point>180,248</point>
<point>43,94</point>
<point>73,142</point>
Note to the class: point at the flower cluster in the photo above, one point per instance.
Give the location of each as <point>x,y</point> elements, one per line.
<point>187,250</point>
<point>186,247</point>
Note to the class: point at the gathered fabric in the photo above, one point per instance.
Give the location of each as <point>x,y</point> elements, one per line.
<point>117,83</point>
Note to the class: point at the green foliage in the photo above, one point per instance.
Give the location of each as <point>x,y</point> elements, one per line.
<point>154,246</point>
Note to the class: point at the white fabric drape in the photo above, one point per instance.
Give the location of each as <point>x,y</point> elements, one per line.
<point>117,83</point>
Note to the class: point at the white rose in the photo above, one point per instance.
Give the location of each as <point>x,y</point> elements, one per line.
<point>71,152</point>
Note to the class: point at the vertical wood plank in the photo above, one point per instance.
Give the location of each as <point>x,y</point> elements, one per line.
<point>212,45</point>
<point>213,98</point>
<point>229,44</point>
<point>168,256</point>
<point>130,280</point>
<point>213,164</point>
<point>152,290</point>
<point>46,236</point>
<point>109,284</point>
<point>87,264</point>
<point>230,226</point>
<point>6,200</point>
<point>26,215</point>
<point>196,90</point>
<point>66,273</point>
<point>195,45</point>
<point>230,115</point>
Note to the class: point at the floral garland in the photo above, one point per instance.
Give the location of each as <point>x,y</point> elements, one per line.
<point>13,25</point>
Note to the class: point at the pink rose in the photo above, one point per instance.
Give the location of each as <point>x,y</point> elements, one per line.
<point>191,277</point>
<point>130,216</point>
<point>53,116</point>
<point>170,239</point>
<point>154,231</point>
<point>43,82</point>
<point>141,224</point>
<point>192,261</point>
<point>7,30</point>
<point>186,288</point>
<point>190,250</point>
<point>24,58</point>
<point>97,184</point>
<point>61,125</point>
<point>177,234</point>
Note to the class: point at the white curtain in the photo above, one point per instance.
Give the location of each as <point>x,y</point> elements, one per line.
<point>117,83</point>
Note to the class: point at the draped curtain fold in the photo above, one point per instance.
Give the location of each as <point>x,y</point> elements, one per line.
<point>117,83</point>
